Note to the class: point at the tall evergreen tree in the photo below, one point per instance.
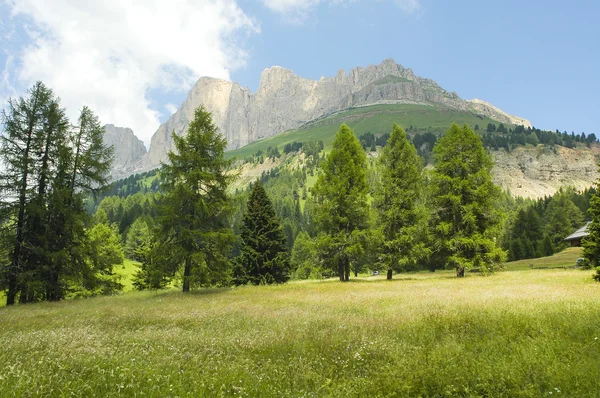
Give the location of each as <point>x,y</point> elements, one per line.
<point>464,202</point>
<point>46,176</point>
<point>397,199</point>
<point>21,141</point>
<point>194,232</point>
<point>341,202</point>
<point>263,257</point>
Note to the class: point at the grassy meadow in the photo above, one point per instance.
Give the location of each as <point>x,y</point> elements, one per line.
<point>377,119</point>
<point>523,333</point>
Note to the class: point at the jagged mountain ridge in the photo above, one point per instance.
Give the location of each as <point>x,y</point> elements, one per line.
<point>285,101</point>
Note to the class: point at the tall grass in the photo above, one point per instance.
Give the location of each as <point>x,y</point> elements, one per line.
<point>524,334</point>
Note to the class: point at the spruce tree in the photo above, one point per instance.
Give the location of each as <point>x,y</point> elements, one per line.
<point>194,232</point>
<point>341,208</point>
<point>263,258</point>
<point>465,215</point>
<point>397,200</point>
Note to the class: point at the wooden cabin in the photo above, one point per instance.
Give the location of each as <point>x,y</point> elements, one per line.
<point>575,237</point>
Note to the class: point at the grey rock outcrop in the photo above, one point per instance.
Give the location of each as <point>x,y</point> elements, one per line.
<point>286,101</point>
<point>129,150</point>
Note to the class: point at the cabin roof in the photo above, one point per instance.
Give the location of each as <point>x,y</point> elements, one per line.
<point>580,233</point>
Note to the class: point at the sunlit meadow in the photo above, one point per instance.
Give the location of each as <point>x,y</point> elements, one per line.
<point>522,333</point>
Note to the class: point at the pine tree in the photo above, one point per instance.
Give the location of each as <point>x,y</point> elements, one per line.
<point>263,258</point>
<point>397,198</point>
<point>464,199</point>
<point>194,232</point>
<point>341,203</point>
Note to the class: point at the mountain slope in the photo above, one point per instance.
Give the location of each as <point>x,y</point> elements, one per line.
<point>285,101</point>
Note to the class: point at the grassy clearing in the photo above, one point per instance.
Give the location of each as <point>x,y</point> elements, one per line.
<point>526,333</point>
<point>376,119</point>
<point>127,271</point>
<point>566,258</point>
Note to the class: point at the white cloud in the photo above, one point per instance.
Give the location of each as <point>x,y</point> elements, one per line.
<point>287,6</point>
<point>171,108</point>
<point>298,10</point>
<point>108,54</point>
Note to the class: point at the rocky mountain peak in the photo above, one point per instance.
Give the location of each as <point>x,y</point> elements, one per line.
<point>286,101</point>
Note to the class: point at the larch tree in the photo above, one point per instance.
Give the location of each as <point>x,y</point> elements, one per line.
<point>341,208</point>
<point>21,141</point>
<point>47,170</point>
<point>193,227</point>
<point>465,215</point>
<point>397,199</point>
<point>263,257</point>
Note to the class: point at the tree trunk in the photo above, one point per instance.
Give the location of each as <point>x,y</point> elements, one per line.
<point>389,274</point>
<point>346,269</point>
<point>355,274</point>
<point>460,272</point>
<point>186,275</point>
<point>341,270</point>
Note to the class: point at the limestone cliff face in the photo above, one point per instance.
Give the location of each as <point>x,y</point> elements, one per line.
<point>537,172</point>
<point>129,150</point>
<point>286,101</point>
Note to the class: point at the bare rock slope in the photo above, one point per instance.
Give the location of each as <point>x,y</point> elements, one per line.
<point>537,172</point>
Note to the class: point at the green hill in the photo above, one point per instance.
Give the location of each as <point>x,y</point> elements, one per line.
<point>376,119</point>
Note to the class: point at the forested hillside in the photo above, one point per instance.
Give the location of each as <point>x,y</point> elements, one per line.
<point>288,167</point>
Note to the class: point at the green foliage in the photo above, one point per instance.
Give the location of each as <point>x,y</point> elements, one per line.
<point>465,216</point>
<point>263,258</point>
<point>49,169</point>
<point>341,197</point>
<point>193,230</point>
<point>562,217</point>
<point>596,275</point>
<point>537,228</point>
<point>397,198</point>
<point>103,251</point>
<point>138,238</point>
<point>304,258</point>
<point>591,243</point>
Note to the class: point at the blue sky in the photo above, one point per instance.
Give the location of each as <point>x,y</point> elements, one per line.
<point>535,59</point>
